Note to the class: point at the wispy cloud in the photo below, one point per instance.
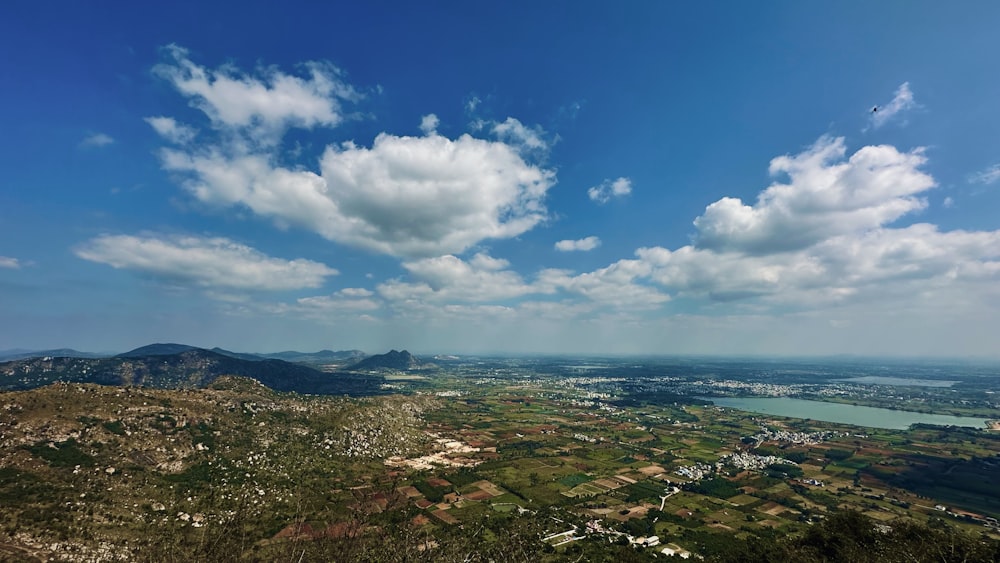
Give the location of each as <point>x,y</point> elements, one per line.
<point>10,263</point>
<point>902,102</point>
<point>569,111</point>
<point>988,176</point>
<point>609,189</point>
<point>212,263</point>
<point>351,299</point>
<point>584,244</point>
<point>96,140</point>
<point>472,104</point>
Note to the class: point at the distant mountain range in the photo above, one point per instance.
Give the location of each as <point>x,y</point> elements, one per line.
<point>173,366</point>
<point>323,357</point>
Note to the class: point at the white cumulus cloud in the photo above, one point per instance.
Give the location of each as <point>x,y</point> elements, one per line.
<point>214,263</point>
<point>404,196</point>
<point>825,196</point>
<point>411,197</point>
<point>429,123</point>
<point>825,238</point>
<point>262,106</point>
<point>441,195</point>
<point>610,188</point>
<point>584,244</point>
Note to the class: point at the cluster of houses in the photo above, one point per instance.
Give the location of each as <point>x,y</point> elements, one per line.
<point>740,460</point>
<point>695,472</point>
<point>451,453</point>
<point>807,438</point>
<point>744,460</point>
<point>643,542</point>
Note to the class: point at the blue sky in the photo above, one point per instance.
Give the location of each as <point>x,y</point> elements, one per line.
<point>655,178</point>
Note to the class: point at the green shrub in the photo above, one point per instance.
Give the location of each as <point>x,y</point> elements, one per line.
<point>61,454</point>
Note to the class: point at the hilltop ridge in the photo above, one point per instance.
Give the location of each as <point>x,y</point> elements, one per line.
<point>20,354</point>
<point>179,366</point>
<point>391,360</point>
<point>158,349</point>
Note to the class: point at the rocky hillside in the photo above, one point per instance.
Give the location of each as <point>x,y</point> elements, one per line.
<point>94,473</point>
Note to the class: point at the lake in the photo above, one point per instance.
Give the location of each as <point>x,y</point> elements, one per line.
<point>843,414</point>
